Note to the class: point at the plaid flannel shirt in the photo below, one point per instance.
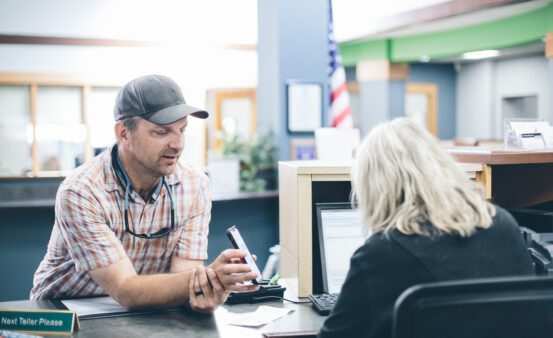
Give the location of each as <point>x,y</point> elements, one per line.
<point>89,229</point>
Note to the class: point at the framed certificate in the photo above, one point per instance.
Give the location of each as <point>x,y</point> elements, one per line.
<point>304,106</point>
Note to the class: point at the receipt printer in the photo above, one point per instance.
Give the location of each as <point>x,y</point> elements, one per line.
<point>265,293</point>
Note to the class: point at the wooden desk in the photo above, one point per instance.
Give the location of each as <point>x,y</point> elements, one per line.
<point>512,179</point>
<point>189,324</point>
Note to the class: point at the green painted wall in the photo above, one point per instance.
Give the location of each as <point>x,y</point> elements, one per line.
<point>508,32</point>
<point>550,18</point>
<point>352,52</point>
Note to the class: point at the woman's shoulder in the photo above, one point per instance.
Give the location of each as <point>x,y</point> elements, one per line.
<point>384,258</point>
<point>503,219</point>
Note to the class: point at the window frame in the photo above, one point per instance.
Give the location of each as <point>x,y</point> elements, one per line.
<point>34,81</point>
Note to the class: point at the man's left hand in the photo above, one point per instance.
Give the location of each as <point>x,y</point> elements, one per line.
<point>206,292</point>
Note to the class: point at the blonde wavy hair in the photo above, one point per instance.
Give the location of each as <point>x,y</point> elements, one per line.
<point>402,179</point>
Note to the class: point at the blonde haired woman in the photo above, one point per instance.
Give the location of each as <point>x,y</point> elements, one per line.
<point>425,222</point>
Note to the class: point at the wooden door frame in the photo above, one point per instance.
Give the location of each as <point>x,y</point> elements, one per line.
<point>220,95</point>
<point>431,91</point>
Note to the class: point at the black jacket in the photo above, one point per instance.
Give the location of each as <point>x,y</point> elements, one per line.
<point>384,267</point>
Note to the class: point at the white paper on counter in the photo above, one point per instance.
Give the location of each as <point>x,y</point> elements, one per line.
<point>263,315</point>
<point>94,306</point>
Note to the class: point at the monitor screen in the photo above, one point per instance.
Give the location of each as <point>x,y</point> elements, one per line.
<point>339,236</point>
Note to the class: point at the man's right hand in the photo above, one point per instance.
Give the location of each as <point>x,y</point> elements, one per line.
<point>232,275</point>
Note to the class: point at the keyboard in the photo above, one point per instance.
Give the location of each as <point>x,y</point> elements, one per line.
<point>323,302</point>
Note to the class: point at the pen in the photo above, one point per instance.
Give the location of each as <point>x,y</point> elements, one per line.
<point>274,279</point>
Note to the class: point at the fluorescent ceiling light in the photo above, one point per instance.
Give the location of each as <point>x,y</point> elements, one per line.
<point>424,58</point>
<point>481,54</point>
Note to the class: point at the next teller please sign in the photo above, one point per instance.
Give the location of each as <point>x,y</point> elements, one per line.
<point>39,321</point>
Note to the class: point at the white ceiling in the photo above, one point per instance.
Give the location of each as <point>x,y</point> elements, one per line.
<point>190,21</point>
<point>216,21</point>
<point>354,19</point>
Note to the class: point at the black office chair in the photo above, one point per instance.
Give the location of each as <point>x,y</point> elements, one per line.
<point>497,307</point>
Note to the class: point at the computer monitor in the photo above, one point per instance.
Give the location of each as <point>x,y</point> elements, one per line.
<point>339,230</point>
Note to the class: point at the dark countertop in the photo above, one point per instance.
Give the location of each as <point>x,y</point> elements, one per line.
<point>184,323</point>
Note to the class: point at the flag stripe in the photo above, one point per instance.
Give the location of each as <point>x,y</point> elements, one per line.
<point>339,119</point>
<point>338,91</point>
<point>339,104</point>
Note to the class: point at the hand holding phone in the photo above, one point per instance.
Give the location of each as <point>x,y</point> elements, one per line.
<point>238,243</point>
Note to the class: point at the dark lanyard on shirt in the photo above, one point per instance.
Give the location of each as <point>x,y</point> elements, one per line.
<point>124,179</point>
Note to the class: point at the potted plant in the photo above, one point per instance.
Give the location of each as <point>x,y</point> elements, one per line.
<point>257,155</point>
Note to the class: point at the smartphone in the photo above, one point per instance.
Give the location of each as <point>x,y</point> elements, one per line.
<point>238,243</point>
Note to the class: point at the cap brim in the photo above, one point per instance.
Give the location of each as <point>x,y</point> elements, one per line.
<point>174,113</point>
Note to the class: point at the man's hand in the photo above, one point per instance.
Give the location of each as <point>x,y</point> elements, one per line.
<point>205,290</point>
<point>232,273</point>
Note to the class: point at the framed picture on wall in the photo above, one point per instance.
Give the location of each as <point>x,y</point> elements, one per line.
<point>234,113</point>
<point>303,149</point>
<point>304,106</point>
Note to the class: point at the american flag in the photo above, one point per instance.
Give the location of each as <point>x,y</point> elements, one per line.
<point>339,98</point>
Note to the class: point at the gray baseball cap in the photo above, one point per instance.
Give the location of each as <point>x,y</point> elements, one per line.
<point>155,98</point>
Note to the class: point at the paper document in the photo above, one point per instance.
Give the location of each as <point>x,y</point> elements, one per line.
<point>263,315</point>
<point>94,306</point>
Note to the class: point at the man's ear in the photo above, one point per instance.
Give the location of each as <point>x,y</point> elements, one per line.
<point>122,133</point>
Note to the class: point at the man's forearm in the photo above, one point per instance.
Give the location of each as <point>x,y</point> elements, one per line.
<point>154,291</point>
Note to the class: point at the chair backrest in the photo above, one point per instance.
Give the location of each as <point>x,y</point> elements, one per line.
<point>493,307</point>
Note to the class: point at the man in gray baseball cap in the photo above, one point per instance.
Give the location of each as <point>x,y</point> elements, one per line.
<point>133,222</point>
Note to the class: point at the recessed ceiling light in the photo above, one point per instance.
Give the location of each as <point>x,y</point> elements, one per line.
<point>481,54</point>
<point>424,58</point>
